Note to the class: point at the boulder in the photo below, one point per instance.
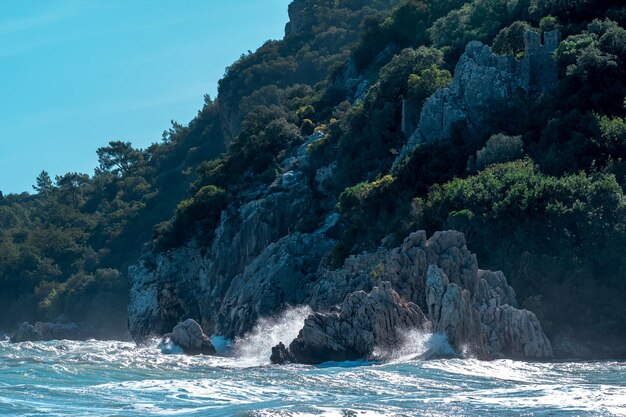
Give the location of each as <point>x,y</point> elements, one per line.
<point>363,323</point>
<point>188,335</point>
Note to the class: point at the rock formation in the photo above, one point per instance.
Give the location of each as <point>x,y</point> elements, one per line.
<point>364,322</point>
<point>257,266</point>
<point>244,276</point>
<point>188,335</point>
<point>295,17</point>
<point>476,309</point>
<point>484,90</point>
<point>42,331</point>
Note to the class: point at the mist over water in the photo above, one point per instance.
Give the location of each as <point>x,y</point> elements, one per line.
<point>96,378</point>
<point>255,347</point>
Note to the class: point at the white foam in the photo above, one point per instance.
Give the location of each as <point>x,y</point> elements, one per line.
<point>417,344</point>
<point>255,347</point>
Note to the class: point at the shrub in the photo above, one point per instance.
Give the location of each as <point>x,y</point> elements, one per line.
<point>499,148</point>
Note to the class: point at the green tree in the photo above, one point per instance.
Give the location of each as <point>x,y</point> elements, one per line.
<point>120,158</point>
<point>427,82</point>
<point>499,148</point>
<point>43,184</point>
<point>73,185</point>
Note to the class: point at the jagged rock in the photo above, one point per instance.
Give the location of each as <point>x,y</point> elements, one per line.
<point>483,90</point>
<point>245,276</point>
<point>164,288</point>
<point>189,336</point>
<point>281,355</point>
<point>519,333</point>
<point>364,322</point>
<point>271,282</point>
<point>42,331</point>
<point>441,276</point>
<point>460,321</point>
<point>193,282</point>
<point>436,286</point>
<point>295,17</point>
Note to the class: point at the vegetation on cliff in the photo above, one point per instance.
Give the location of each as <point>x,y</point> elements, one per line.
<point>542,198</point>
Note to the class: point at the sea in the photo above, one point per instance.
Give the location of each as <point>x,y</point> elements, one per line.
<point>116,378</point>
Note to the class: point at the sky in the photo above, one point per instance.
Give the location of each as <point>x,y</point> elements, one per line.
<point>76,74</point>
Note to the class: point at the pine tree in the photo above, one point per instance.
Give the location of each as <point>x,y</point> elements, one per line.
<point>44,183</point>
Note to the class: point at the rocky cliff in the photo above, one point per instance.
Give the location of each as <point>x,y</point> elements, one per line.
<point>485,88</point>
<point>258,264</point>
<point>257,273</point>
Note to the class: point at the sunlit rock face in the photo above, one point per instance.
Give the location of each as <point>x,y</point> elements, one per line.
<point>485,90</point>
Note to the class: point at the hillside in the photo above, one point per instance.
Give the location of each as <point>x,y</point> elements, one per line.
<point>324,151</point>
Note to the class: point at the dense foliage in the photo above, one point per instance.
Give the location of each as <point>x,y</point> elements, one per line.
<point>64,251</point>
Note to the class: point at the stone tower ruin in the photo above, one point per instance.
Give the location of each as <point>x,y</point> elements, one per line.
<point>538,66</point>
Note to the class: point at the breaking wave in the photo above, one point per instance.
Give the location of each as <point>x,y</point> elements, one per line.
<point>255,347</point>
<point>108,378</point>
<point>418,344</point>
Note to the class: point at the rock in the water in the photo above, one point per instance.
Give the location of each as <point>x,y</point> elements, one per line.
<point>42,331</point>
<point>281,355</point>
<point>441,276</point>
<point>189,336</point>
<point>26,333</point>
<point>364,322</point>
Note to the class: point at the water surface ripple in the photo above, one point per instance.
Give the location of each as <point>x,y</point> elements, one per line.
<point>112,378</point>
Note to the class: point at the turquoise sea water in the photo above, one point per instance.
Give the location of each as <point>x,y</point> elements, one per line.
<point>96,378</point>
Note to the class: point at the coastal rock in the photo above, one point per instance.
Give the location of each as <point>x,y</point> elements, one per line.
<point>165,287</point>
<point>272,281</point>
<point>281,355</point>
<point>192,281</point>
<point>363,323</point>
<point>441,276</point>
<point>43,331</point>
<point>189,336</point>
<point>26,333</point>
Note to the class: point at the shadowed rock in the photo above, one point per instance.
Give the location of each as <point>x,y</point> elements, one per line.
<point>43,331</point>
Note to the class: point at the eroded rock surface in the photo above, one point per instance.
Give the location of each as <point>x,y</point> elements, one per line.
<point>476,309</point>
<point>485,90</point>
<point>364,322</point>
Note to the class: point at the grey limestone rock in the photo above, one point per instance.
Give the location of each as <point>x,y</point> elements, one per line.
<point>188,335</point>
<point>483,90</point>
<point>441,276</point>
<point>364,322</point>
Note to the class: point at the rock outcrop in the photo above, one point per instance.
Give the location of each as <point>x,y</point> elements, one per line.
<point>476,309</point>
<point>484,90</point>
<point>257,266</point>
<point>43,331</point>
<point>364,322</point>
<point>188,335</point>
<point>295,10</point>
<point>248,253</point>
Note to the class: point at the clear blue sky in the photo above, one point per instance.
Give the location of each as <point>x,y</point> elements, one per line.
<point>75,74</point>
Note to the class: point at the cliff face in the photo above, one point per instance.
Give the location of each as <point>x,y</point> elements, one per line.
<point>485,89</point>
<point>257,267</point>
